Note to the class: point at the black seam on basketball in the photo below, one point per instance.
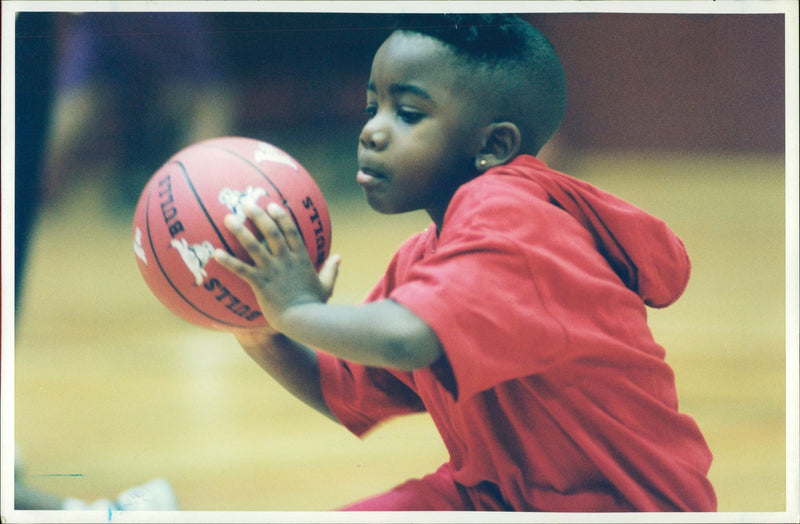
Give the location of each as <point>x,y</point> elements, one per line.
<point>166,276</point>
<point>275,187</point>
<point>203,207</point>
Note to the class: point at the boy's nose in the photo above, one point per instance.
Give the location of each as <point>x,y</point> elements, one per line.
<point>372,138</point>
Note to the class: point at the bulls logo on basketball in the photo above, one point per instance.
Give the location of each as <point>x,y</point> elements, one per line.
<point>232,199</point>
<point>137,246</point>
<point>271,153</point>
<point>195,256</point>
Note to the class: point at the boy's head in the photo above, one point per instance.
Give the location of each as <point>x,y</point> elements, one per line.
<point>448,98</point>
<point>513,67</point>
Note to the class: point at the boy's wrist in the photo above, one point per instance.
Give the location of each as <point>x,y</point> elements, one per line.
<point>256,337</point>
<point>295,317</point>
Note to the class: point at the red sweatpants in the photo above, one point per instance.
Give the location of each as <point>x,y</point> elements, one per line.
<point>435,492</point>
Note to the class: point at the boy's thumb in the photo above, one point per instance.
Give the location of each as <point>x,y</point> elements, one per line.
<point>328,273</point>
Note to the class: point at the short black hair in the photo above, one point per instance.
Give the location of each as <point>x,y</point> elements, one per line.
<point>519,62</point>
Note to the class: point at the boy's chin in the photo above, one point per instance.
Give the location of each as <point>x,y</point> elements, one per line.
<point>379,205</point>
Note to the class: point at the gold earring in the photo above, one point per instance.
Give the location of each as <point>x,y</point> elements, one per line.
<point>483,162</point>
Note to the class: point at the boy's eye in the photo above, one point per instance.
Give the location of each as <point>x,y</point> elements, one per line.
<point>409,116</point>
<point>371,110</point>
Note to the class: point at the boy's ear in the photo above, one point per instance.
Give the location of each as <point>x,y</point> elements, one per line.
<point>502,143</point>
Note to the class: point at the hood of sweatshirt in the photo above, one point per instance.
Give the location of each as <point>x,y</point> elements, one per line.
<point>646,255</point>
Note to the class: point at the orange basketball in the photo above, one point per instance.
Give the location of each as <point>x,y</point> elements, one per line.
<point>179,223</point>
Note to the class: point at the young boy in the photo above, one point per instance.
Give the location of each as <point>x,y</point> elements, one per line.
<point>517,320</point>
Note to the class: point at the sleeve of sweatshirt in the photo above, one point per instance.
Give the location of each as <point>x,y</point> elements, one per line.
<point>515,285</point>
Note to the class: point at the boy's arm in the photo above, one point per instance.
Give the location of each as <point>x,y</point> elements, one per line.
<point>380,334</point>
<point>293,297</point>
<point>290,363</point>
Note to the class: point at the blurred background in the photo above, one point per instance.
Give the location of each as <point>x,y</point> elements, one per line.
<point>681,114</point>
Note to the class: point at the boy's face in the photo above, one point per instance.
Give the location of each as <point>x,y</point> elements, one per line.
<point>422,135</point>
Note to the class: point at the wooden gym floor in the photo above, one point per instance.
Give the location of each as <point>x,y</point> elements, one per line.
<point>111,390</point>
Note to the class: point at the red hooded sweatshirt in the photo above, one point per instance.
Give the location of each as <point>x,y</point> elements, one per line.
<point>551,387</point>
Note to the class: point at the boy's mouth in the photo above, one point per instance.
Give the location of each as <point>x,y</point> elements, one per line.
<point>368,177</point>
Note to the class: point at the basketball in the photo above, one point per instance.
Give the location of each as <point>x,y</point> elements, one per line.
<point>178,223</point>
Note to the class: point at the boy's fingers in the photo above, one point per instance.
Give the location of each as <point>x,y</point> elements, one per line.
<point>231,263</point>
<point>287,226</point>
<point>273,237</point>
<point>245,237</point>
<point>328,273</point>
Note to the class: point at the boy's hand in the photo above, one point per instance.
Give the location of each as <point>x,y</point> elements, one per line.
<point>282,274</point>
